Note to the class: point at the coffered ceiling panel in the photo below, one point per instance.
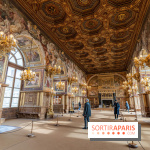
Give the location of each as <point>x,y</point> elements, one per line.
<point>98,35</point>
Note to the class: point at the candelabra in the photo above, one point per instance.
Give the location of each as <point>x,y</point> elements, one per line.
<point>81,85</point>
<point>75,89</point>
<point>7,43</point>
<point>60,85</point>
<point>83,92</point>
<point>27,75</point>
<point>52,70</point>
<point>72,80</point>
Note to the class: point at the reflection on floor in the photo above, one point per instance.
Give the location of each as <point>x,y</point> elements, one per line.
<point>7,128</point>
<point>68,135</point>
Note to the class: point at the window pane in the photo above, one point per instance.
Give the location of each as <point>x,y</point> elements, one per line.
<point>18,55</point>
<point>14,51</point>
<point>10,56</point>
<point>18,74</point>
<point>7,92</point>
<point>6,102</point>
<point>20,62</point>
<point>9,81</point>
<point>17,83</point>
<point>12,60</point>
<point>16,92</point>
<point>11,72</point>
<point>14,102</point>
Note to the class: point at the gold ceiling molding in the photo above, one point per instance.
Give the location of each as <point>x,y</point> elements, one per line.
<point>91,32</point>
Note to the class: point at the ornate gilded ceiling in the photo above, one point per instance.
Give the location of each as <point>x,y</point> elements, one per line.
<point>99,35</point>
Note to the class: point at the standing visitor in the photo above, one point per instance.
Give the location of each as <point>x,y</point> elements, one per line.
<point>73,105</point>
<point>86,113</point>
<point>79,105</point>
<point>127,106</point>
<point>116,109</point>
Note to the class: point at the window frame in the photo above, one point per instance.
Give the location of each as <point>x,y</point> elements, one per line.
<point>16,67</point>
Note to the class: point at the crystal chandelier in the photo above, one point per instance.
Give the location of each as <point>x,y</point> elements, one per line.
<point>60,85</point>
<point>7,43</point>
<point>145,81</point>
<point>52,91</point>
<point>72,95</point>
<point>72,80</point>
<point>28,75</point>
<point>81,85</point>
<point>129,84</point>
<point>75,89</point>
<point>141,61</point>
<point>52,70</point>
<point>83,92</point>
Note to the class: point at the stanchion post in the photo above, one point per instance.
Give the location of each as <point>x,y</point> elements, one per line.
<point>57,122</point>
<point>31,135</point>
<point>132,145</point>
<point>78,114</point>
<point>70,117</point>
<point>62,112</point>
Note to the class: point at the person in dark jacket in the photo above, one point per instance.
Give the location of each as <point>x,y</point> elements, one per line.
<point>79,105</point>
<point>116,109</point>
<point>73,105</point>
<point>127,106</point>
<point>86,113</point>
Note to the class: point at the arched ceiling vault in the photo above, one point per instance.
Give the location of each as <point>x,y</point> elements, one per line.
<point>99,35</point>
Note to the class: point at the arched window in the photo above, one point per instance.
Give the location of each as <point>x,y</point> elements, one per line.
<point>12,92</point>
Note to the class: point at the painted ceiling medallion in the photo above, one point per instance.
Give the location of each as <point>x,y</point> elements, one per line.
<point>81,54</point>
<point>120,48</point>
<point>120,37</point>
<point>96,41</point>
<point>85,61</point>
<point>52,12</point>
<point>91,26</point>
<point>122,19</point>
<point>99,51</point>
<point>117,62</point>
<point>66,32</point>
<point>119,56</point>
<point>89,65</point>
<point>75,45</point>
<point>120,3</point>
<point>84,7</point>
<point>101,58</point>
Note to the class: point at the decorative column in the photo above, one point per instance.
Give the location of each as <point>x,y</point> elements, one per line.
<point>2,91</point>
<point>63,103</point>
<point>66,104</point>
<point>51,97</point>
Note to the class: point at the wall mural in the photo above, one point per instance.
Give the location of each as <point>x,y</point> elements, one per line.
<point>35,82</point>
<point>110,83</point>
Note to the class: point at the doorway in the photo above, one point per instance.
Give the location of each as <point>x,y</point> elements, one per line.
<point>106,103</point>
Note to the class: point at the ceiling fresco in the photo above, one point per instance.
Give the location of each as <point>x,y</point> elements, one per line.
<point>98,35</point>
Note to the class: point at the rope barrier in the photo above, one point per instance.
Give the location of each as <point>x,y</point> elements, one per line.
<point>57,122</point>
<point>31,134</point>
<point>16,130</point>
